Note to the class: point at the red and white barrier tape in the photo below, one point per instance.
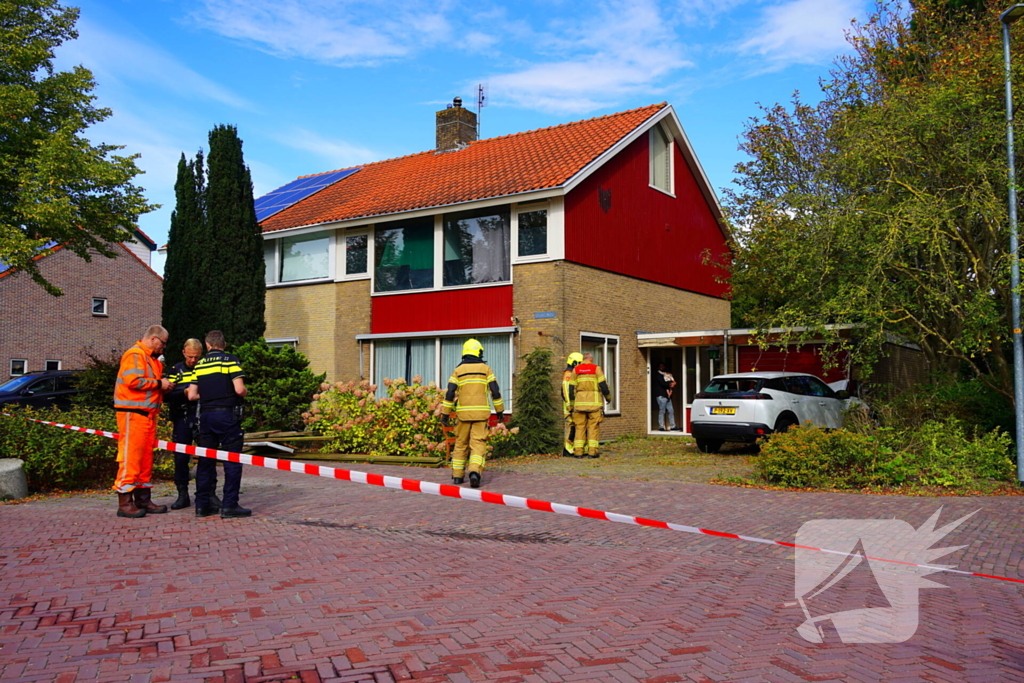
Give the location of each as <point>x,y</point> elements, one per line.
<point>452,491</point>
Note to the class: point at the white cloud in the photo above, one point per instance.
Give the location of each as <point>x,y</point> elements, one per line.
<point>622,48</point>
<point>120,59</point>
<point>349,32</point>
<point>337,153</point>
<point>801,32</point>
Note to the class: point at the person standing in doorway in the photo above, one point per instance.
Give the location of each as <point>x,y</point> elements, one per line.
<point>663,383</point>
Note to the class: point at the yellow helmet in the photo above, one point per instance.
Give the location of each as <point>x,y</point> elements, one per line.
<point>575,358</point>
<point>473,348</point>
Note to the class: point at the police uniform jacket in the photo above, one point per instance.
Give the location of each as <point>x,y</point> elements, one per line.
<point>182,375</point>
<point>215,374</point>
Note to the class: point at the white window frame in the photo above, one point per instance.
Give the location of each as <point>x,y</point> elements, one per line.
<point>332,239</point>
<point>24,367</point>
<point>105,311</point>
<point>278,342</point>
<point>343,236</point>
<point>46,365</point>
<point>556,231</point>
<point>603,362</point>
<point>669,151</point>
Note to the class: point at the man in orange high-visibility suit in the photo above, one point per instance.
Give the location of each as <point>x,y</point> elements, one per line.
<point>138,395</point>
<point>589,391</point>
<point>468,387</point>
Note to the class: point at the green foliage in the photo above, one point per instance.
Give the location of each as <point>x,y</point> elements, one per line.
<point>971,401</point>
<point>937,453</point>
<point>406,422</point>
<point>884,205</point>
<point>234,243</point>
<point>187,259</point>
<point>280,386</point>
<point>60,459</point>
<point>215,268</point>
<point>54,184</point>
<point>536,410</point>
<point>97,381</point>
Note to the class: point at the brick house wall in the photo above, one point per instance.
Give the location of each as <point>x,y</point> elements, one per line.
<point>38,327</point>
<point>591,300</point>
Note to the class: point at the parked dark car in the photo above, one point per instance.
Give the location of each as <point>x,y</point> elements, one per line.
<point>44,389</point>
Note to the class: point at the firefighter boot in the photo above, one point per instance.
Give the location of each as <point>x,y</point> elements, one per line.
<point>144,501</point>
<point>474,480</point>
<point>126,508</point>
<point>458,480</point>
<point>183,500</point>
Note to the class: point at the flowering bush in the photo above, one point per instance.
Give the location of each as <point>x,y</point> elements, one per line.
<point>407,422</point>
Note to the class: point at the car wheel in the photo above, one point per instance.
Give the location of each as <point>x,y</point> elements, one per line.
<point>706,446</point>
<point>784,423</point>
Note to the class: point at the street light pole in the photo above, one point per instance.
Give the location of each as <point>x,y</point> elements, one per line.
<point>1008,17</point>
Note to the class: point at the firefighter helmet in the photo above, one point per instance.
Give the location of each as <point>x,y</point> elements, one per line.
<point>575,358</point>
<point>473,348</point>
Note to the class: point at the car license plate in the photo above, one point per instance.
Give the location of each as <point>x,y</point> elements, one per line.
<point>721,410</point>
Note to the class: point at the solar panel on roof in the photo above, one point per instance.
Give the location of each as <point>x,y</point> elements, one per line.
<point>295,191</point>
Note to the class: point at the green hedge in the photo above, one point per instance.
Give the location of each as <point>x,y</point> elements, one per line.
<point>938,453</point>
<point>61,459</point>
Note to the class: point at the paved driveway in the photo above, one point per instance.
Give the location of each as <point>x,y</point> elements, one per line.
<point>336,581</point>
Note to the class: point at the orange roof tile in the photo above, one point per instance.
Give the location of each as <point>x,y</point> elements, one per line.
<point>496,167</point>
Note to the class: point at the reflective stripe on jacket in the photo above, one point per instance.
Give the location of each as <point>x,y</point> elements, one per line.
<point>567,391</point>
<point>138,380</point>
<point>467,392</point>
<point>590,384</point>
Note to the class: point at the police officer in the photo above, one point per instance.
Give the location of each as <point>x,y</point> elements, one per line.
<point>183,419</point>
<point>219,387</point>
<point>467,396</point>
<point>589,392</point>
<point>574,359</point>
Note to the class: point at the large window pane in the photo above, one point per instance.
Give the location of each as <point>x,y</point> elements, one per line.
<point>306,257</point>
<point>496,355</point>
<point>404,255</point>
<point>533,232</point>
<point>606,354</point>
<point>270,260</point>
<point>476,247</point>
<point>404,359</point>
<point>355,254</point>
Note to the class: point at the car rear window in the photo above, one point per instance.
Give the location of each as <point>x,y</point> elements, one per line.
<point>727,385</point>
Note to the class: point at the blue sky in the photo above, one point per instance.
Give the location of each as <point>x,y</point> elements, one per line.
<point>317,85</point>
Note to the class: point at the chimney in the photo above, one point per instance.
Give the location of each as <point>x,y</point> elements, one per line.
<point>456,127</point>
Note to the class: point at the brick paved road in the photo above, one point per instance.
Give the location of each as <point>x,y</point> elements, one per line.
<point>334,581</point>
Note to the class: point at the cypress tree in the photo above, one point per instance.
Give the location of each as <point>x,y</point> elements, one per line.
<point>183,272</point>
<point>234,281</point>
<point>536,412</point>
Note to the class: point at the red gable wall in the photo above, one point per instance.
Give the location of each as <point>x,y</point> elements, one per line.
<point>645,233</point>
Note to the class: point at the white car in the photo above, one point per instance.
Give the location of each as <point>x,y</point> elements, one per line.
<point>745,406</point>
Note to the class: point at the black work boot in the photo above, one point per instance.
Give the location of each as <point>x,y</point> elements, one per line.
<point>126,506</point>
<point>215,503</point>
<point>235,511</point>
<point>183,500</point>
<point>458,480</point>
<point>474,479</point>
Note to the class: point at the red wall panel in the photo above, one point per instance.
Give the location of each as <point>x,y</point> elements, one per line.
<point>792,359</point>
<point>455,309</point>
<point>645,233</point>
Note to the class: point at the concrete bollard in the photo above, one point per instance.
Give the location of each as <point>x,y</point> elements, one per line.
<point>13,484</point>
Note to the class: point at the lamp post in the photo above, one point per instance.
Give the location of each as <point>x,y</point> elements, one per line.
<point>1006,18</point>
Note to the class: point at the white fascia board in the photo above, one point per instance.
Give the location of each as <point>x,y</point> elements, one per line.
<point>438,333</point>
<point>735,332</point>
<point>678,136</point>
<point>365,221</point>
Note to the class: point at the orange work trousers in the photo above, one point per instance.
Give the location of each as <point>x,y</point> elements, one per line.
<point>135,451</point>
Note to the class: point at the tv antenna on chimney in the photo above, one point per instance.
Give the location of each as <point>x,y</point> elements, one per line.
<point>481,102</point>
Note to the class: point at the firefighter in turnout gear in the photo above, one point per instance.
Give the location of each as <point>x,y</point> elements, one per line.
<point>574,359</point>
<point>589,391</point>
<point>467,397</point>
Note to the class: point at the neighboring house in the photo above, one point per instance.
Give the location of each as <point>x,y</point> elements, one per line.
<point>572,237</point>
<point>107,305</point>
<point>694,356</point>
